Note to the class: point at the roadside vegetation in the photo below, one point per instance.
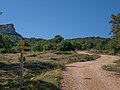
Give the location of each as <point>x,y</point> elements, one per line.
<point>42,70</point>
<point>113,67</point>
<point>58,43</point>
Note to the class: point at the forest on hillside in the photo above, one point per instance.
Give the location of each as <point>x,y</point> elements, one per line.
<point>9,44</point>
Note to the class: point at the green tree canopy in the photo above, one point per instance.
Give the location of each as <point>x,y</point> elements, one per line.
<point>65,46</point>
<point>57,39</point>
<point>115,21</point>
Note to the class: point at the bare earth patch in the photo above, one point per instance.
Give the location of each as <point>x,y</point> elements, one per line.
<point>90,76</point>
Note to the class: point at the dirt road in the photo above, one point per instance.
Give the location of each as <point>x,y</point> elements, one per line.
<point>90,76</point>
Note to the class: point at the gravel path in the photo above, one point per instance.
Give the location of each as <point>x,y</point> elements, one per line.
<point>90,76</point>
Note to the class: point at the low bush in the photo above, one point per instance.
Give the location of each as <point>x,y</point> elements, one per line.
<point>62,52</point>
<point>83,58</point>
<point>32,55</point>
<point>112,67</point>
<point>109,67</point>
<point>103,52</point>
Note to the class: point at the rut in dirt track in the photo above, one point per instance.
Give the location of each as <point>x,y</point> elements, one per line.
<point>90,76</point>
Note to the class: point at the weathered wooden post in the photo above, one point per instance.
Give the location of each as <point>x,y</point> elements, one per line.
<point>22,43</point>
<point>22,48</point>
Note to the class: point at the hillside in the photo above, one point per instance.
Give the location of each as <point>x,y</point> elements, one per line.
<point>58,42</point>
<point>9,30</point>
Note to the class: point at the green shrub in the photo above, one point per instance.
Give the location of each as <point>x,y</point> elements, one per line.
<point>112,67</point>
<point>58,65</point>
<point>2,50</point>
<point>32,55</point>
<point>83,58</point>
<point>62,52</point>
<point>109,67</point>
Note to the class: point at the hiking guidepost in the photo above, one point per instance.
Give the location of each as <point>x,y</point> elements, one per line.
<point>21,69</point>
<point>22,48</point>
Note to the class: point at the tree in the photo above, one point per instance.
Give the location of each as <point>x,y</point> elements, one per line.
<point>111,46</point>
<point>65,46</point>
<point>115,21</point>
<point>87,45</point>
<point>57,39</point>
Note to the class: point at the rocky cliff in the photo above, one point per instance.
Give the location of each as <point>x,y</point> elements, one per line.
<point>9,29</point>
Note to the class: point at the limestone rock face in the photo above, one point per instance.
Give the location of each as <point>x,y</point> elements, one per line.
<point>9,29</point>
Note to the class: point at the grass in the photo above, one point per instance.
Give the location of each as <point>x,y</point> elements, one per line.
<point>53,76</point>
<point>63,52</point>
<point>108,52</point>
<point>32,55</point>
<point>83,58</point>
<point>42,70</point>
<point>113,67</point>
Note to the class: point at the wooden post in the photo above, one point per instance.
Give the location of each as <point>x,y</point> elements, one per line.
<point>21,69</point>
<point>22,48</point>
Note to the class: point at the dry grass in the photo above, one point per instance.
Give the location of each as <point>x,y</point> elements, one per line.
<point>113,67</point>
<point>42,70</point>
<point>53,76</point>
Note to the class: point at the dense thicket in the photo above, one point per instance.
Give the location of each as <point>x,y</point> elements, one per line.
<point>58,43</point>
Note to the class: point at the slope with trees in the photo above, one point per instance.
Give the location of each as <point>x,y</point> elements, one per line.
<point>61,44</point>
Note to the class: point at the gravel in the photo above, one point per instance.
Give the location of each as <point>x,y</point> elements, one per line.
<point>90,76</point>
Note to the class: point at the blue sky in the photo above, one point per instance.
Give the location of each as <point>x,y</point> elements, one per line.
<point>69,18</point>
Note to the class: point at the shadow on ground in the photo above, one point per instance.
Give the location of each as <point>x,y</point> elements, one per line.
<point>32,66</point>
<point>9,76</point>
<point>30,85</point>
